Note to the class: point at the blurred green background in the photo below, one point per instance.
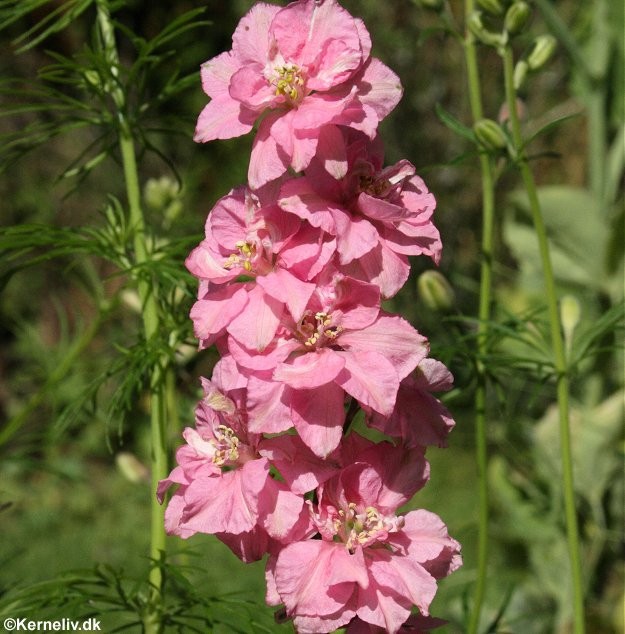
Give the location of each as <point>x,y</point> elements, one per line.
<point>74,461</point>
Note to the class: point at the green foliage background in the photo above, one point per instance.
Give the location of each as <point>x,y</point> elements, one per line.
<point>74,441</point>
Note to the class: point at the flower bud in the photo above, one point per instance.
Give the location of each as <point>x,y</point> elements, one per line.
<point>435,291</point>
<point>489,135</point>
<point>517,17</point>
<point>159,192</point>
<point>476,26</point>
<point>520,73</point>
<point>544,47</point>
<point>131,468</point>
<point>492,6</point>
<point>570,313</point>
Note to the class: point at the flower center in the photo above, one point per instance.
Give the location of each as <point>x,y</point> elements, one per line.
<point>376,187</point>
<point>244,257</point>
<point>316,330</point>
<point>226,446</point>
<point>289,83</point>
<point>364,528</point>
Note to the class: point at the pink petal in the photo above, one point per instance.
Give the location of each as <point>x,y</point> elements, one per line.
<point>434,376</point>
<point>418,418</point>
<point>286,288</point>
<point>273,354</point>
<point>331,151</point>
<point>256,326</point>
<point>310,370</point>
<point>227,375</point>
<point>401,472</point>
<point>202,263</point>
<point>266,410</point>
<point>379,89</point>
<point>321,35</point>
<point>213,313</point>
<point>249,87</point>
<point>424,537</point>
<point>280,510</point>
<point>356,236</point>
<point>319,109</point>
<point>357,305</point>
<point>251,40</point>
<point>298,197</point>
<point>223,118</point>
<point>308,253</point>
<point>370,378</point>
<point>382,609</point>
<point>216,73</point>
<point>313,577</point>
<point>248,546</point>
<point>392,337</point>
<point>173,517</point>
<point>304,149</point>
<point>268,160</point>
<point>228,503</point>
<point>318,416</point>
<point>302,470</point>
<point>427,240</point>
<point>381,266</point>
<point>404,577</point>
<point>379,209</point>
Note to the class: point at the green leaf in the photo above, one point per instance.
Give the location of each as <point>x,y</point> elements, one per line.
<point>454,124</point>
<point>578,238</point>
<point>550,126</point>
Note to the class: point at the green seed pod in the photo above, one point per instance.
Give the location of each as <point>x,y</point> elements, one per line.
<point>516,17</point>
<point>492,6</point>
<point>490,135</point>
<point>435,291</point>
<point>544,47</point>
<point>570,313</point>
<point>520,73</point>
<point>476,26</point>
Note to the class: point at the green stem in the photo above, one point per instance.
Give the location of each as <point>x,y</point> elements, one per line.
<point>557,341</point>
<point>146,288</point>
<point>484,313</point>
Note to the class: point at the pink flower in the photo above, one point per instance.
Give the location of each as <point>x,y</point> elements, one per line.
<point>419,418</point>
<point>302,67</point>
<point>416,624</point>
<point>342,344</point>
<point>225,485</point>
<point>378,215</point>
<point>367,562</point>
<point>248,236</point>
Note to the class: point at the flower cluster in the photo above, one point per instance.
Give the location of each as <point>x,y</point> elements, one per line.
<point>292,272</point>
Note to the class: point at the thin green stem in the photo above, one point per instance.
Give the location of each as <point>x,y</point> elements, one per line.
<point>557,341</point>
<point>484,312</point>
<point>146,288</point>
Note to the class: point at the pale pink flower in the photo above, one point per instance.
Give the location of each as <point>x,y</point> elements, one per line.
<point>248,237</point>
<point>301,67</point>
<point>419,418</point>
<point>342,344</point>
<point>225,485</point>
<point>379,215</point>
<point>367,561</point>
